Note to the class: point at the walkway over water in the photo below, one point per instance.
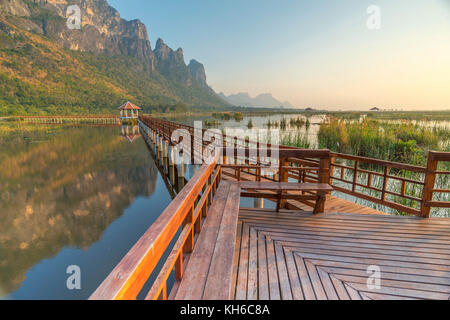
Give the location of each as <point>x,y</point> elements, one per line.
<point>312,246</point>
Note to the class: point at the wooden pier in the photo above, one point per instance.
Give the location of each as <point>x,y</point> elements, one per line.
<point>312,246</point>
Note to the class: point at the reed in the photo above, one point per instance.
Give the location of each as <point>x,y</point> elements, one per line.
<point>400,142</point>
<point>238,116</point>
<point>297,122</point>
<point>283,124</point>
<point>211,123</point>
<point>296,139</point>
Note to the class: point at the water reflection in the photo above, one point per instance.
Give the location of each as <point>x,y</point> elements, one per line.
<point>130,133</point>
<point>64,189</point>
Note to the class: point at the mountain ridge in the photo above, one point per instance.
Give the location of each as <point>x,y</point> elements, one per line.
<point>264,100</point>
<point>150,77</point>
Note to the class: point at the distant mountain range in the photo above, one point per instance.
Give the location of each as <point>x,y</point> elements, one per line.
<point>47,67</point>
<point>265,100</point>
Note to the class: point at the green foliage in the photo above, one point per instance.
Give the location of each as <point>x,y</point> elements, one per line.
<point>211,123</point>
<point>296,139</point>
<point>238,116</point>
<point>38,77</point>
<point>402,142</point>
<point>283,124</point>
<point>297,122</point>
<point>223,115</point>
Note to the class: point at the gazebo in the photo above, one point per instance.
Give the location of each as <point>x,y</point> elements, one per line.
<point>129,111</point>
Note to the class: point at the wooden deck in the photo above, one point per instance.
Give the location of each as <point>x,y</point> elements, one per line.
<point>337,205</point>
<point>218,250</point>
<point>295,255</point>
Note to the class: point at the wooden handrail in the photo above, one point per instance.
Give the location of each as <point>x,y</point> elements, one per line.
<point>127,279</point>
<point>112,116</point>
<point>430,180</point>
<point>384,163</point>
<point>417,206</point>
<point>185,213</point>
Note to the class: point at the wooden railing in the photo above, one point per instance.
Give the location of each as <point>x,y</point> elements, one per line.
<point>174,232</point>
<point>292,163</point>
<point>369,179</point>
<point>356,187</point>
<point>430,181</point>
<point>184,217</point>
<point>97,119</point>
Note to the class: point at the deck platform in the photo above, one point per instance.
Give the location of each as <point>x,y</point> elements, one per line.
<point>295,255</point>
<point>225,251</point>
<point>337,205</point>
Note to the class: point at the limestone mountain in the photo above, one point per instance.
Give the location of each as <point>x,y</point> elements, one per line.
<point>198,72</point>
<point>112,56</point>
<point>171,63</point>
<point>265,100</point>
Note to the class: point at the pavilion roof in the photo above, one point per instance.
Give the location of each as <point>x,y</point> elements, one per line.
<point>129,106</point>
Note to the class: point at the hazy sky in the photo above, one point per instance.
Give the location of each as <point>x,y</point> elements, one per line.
<point>312,53</point>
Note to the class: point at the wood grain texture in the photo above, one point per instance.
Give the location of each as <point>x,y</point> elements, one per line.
<point>209,273</point>
<point>326,256</point>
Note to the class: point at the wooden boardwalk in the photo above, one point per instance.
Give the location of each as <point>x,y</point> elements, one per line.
<point>217,250</point>
<point>295,255</point>
<point>337,205</point>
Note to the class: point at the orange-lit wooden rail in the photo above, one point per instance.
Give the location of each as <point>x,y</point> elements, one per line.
<point>216,250</point>
<point>359,177</point>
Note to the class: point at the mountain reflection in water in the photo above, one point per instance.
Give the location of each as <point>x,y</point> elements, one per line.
<point>71,196</point>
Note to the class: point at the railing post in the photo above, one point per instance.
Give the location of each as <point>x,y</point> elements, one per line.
<point>331,173</point>
<point>179,267</point>
<point>324,177</point>
<point>355,175</point>
<point>189,244</point>
<point>430,180</point>
<point>283,177</point>
<point>385,183</point>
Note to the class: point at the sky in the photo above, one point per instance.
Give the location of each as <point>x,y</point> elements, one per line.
<point>318,54</point>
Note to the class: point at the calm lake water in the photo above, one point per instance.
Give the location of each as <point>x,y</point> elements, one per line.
<point>78,196</point>
<point>71,196</point>
<point>311,132</point>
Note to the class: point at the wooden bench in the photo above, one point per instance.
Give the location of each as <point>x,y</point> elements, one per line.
<point>316,192</point>
<point>209,271</point>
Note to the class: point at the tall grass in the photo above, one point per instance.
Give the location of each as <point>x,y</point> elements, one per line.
<point>296,139</point>
<point>400,142</point>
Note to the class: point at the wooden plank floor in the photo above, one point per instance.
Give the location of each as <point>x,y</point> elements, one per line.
<point>295,255</point>
<point>333,204</point>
